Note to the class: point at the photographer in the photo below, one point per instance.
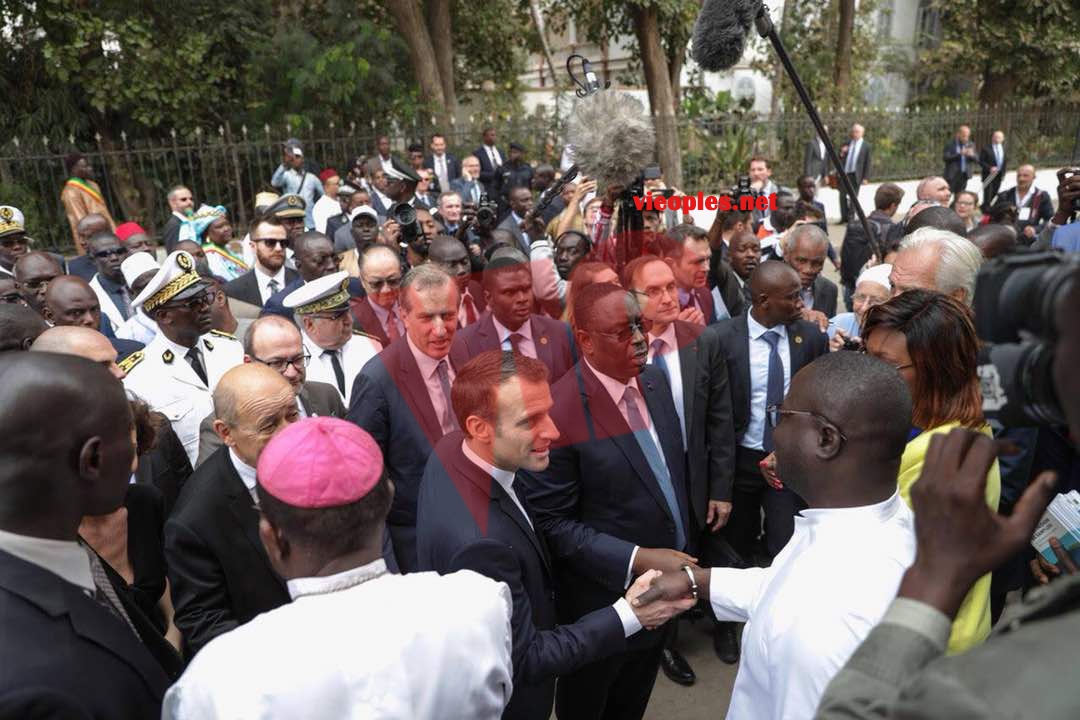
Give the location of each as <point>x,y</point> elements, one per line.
<point>899,670</point>
<point>1061,233</point>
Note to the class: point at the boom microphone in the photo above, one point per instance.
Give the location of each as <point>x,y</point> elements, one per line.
<point>612,136</point>
<point>720,32</point>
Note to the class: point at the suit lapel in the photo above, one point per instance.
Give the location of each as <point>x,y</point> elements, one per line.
<point>486,336</point>
<point>688,367</point>
<point>742,356</point>
<point>545,348</point>
<point>413,386</point>
<point>242,507</point>
<point>507,506</point>
<point>796,340</point>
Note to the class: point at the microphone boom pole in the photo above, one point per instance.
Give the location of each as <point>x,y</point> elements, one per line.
<point>767,29</point>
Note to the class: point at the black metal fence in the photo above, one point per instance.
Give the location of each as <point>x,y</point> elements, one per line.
<point>228,166</point>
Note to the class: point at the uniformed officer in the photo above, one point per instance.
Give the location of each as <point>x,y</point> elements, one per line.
<point>337,351</point>
<point>13,241</point>
<point>177,372</point>
<point>290,210</point>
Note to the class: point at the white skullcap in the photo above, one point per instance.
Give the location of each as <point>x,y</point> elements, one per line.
<point>879,274</point>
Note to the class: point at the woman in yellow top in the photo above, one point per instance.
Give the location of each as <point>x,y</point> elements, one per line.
<point>930,339</point>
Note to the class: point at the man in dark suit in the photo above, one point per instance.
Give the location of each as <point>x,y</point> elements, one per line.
<point>855,155</point>
<point>314,257</point>
<point>691,358</point>
<point>181,203</point>
<point>468,186</point>
<point>276,343</point>
<point>84,265</point>
<point>402,396</point>
<point>960,158</point>
<point>521,203</point>
<point>378,313</point>
<point>269,275</point>
<point>75,642</point>
<point>685,248</point>
<point>805,248</point>
<point>471,517</point>
<point>445,166</point>
<point>490,161</point>
<point>511,323</point>
<point>614,500</point>
<point>764,349</point>
<point>992,163</point>
<point>1034,207</point>
<point>450,254</point>
<point>218,569</point>
<point>514,173</point>
<point>815,158</point>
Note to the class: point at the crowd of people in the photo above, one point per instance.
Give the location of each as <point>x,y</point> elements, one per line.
<point>425,440</point>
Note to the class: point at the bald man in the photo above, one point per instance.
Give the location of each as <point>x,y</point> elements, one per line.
<point>19,327</point>
<point>69,300</point>
<point>84,265</point>
<point>934,189</point>
<point>993,240</point>
<point>80,341</point>
<point>1034,207</point>
<point>73,638</point>
<point>33,272</point>
<point>219,572</point>
<point>764,349</point>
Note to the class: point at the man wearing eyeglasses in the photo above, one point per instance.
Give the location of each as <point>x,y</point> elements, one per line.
<point>33,272</point>
<point>269,274</point>
<point>181,366</point>
<point>764,349</point>
<point>338,352</point>
<point>315,257</point>
<point>108,281</point>
<point>839,433</point>
<point>379,314</point>
<point>276,343</point>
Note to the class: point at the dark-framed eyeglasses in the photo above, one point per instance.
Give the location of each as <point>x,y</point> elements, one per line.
<point>12,298</point>
<point>654,293</point>
<point>279,365</point>
<point>625,334</point>
<point>332,315</point>
<point>36,284</point>
<point>775,413</point>
<point>198,302</point>
<point>114,252</point>
<point>376,284</point>
<point>272,243</point>
<point>15,241</point>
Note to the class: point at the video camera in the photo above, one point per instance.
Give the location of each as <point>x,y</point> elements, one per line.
<point>1016,300</point>
<point>487,212</point>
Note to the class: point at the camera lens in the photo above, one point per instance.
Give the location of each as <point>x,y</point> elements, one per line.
<point>1018,386</point>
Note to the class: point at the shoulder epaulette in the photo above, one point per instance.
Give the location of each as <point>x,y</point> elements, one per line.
<point>131,361</point>
<point>222,333</point>
<point>369,336</point>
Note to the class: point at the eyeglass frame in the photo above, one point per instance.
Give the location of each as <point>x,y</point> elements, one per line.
<point>271,243</point>
<point>670,289</point>
<point>773,414</point>
<point>635,325</point>
<point>115,252</point>
<point>377,284</point>
<point>206,297</point>
<point>305,357</point>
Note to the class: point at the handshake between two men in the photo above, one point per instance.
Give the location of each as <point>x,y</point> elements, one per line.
<point>656,596</point>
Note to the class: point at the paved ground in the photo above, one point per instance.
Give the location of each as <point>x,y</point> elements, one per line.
<point>708,698</point>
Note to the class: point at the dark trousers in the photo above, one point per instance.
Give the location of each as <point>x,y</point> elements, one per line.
<point>845,215</point>
<point>958,182</point>
<point>750,495</point>
<point>617,688</point>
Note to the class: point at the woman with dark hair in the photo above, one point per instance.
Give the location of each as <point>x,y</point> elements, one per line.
<point>930,339</point>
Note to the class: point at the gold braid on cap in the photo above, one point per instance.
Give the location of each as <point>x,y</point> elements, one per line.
<point>341,297</point>
<point>171,290</point>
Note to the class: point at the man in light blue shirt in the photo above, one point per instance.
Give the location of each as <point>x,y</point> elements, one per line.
<point>291,177</point>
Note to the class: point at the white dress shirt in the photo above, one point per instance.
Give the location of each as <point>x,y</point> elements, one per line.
<point>807,613</point>
<point>430,646</point>
<point>505,478</point>
<point>439,161</point>
<point>65,558</point>
<point>671,359</point>
<point>493,156</point>
<point>386,163</point>
<point>852,156</point>
<point>353,355</point>
<point>246,473</point>
<point>429,370</point>
<point>526,345</point>
<point>263,281</point>
<point>999,153</point>
<point>462,315</point>
<point>759,378</point>
<point>326,207</point>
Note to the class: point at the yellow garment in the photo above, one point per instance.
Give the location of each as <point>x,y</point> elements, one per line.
<point>972,623</point>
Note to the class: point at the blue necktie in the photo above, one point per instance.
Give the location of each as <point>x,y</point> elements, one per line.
<point>656,462</point>
<point>658,358</point>
<point>963,160</point>
<point>774,392</point>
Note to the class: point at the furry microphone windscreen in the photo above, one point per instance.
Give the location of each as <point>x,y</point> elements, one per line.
<point>612,136</point>
<point>720,32</point>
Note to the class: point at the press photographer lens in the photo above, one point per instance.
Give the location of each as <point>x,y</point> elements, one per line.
<point>404,215</point>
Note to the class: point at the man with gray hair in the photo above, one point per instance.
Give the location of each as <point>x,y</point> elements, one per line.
<point>940,260</point>
<point>933,189</point>
<point>402,396</point>
<point>805,249</point>
<point>181,203</point>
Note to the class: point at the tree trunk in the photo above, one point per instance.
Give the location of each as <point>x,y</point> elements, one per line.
<point>439,29</point>
<point>997,87</point>
<point>538,20</point>
<point>675,60</point>
<point>842,64</point>
<point>661,99</point>
<point>411,26</point>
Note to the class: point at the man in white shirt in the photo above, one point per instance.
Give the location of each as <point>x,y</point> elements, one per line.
<point>855,155</point>
<point>844,427</point>
<point>443,164</point>
<point>358,641</point>
<point>337,351</point>
<point>292,178</point>
<point>269,273</point>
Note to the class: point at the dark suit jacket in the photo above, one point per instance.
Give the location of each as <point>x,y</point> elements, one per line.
<point>598,497</point>
<point>987,161</point>
<point>814,160</point>
<point>824,295</point>
<point>166,466</point>
<point>390,401</point>
<point>1042,209</point>
<point>710,437</point>
<point>704,297</point>
<point>523,242</point>
<point>465,520</point>
<point>170,234</point>
<point>551,338</point>
<point>318,398</point>
<point>464,188</point>
<point>862,163</point>
<point>722,275</point>
<point>809,344</point>
<point>951,156</point>
<point>453,168</point>
<point>146,548</point>
<point>218,570</point>
<point>83,266</point>
<point>487,172</point>
<point>275,303</point>
<point>63,648</point>
<point>246,288</point>
<point>364,320</point>
<point>124,348</point>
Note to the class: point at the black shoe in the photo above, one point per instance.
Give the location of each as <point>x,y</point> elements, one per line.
<point>726,643</point>
<point>676,667</point>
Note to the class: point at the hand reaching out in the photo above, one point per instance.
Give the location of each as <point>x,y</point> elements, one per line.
<point>655,613</point>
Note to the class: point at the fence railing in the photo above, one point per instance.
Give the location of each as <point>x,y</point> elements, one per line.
<point>228,166</point>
